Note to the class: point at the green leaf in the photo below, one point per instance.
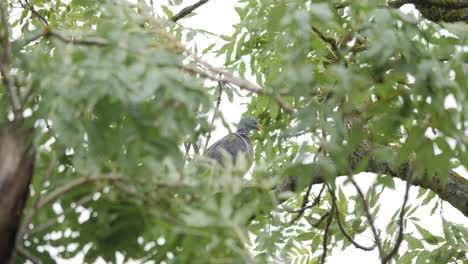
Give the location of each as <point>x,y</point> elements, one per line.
<point>306,236</point>
<point>413,243</point>
<point>427,236</point>
<point>386,181</point>
<point>167,11</point>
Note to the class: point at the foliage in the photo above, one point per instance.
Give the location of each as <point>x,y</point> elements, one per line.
<point>120,105</point>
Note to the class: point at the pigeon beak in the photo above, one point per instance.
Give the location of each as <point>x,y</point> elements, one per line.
<point>259,128</point>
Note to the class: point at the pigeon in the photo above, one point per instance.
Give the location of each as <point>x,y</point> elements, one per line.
<point>235,143</point>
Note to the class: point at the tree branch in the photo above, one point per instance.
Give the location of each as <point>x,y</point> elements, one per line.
<point>187,10</point>
<point>366,208</point>
<point>54,195</point>
<point>319,221</point>
<point>230,78</point>
<point>399,239</point>
<point>327,230</point>
<point>348,236</point>
<point>146,201</point>
<point>82,201</point>
<point>28,5</point>
<point>6,61</point>
<point>27,255</point>
<point>331,41</point>
<point>87,198</point>
<point>305,201</point>
<point>218,102</point>
<point>454,191</point>
<point>438,10</point>
<point>439,3</point>
<point>72,185</point>
<point>91,41</point>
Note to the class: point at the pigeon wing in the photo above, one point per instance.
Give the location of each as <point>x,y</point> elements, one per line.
<point>232,144</point>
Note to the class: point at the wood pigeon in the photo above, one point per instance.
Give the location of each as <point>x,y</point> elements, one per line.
<point>235,143</point>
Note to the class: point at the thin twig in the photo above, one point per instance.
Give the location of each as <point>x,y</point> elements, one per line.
<point>319,221</point>
<point>399,239</point>
<point>316,200</point>
<point>218,102</point>
<point>187,146</point>
<point>230,78</point>
<point>85,180</point>
<point>327,230</point>
<point>370,219</point>
<point>82,201</point>
<point>28,5</point>
<point>348,236</point>
<point>5,63</point>
<point>51,32</point>
<point>90,41</point>
<point>28,255</point>
<point>54,195</point>
<point>30,38</point>
<point>305,201</point>
<point>187,10</point>
<point>161,213</point>
<point>331,41</point>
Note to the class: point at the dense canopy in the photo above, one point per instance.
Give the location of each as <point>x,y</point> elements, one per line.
<point>106,109</point>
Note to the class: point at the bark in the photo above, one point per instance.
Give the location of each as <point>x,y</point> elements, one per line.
<point>16,170</point>
<point>437,10</point>
<point>453,191</point>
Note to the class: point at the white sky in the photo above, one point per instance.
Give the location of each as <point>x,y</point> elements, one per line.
<point>218,16</point>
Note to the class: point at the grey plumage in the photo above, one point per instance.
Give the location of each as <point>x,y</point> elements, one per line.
<point>235,144</point>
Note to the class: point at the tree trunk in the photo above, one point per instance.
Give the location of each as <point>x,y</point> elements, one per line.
<point>16,170</point>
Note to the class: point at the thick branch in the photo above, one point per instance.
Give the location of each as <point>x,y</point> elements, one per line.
<point>455,191</point>
<point>28,218</point>
<point>16,170</point>
<point>438,3</point>
<point>438,10</point>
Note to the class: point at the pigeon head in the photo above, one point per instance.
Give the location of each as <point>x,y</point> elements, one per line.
<point>247,124</point>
